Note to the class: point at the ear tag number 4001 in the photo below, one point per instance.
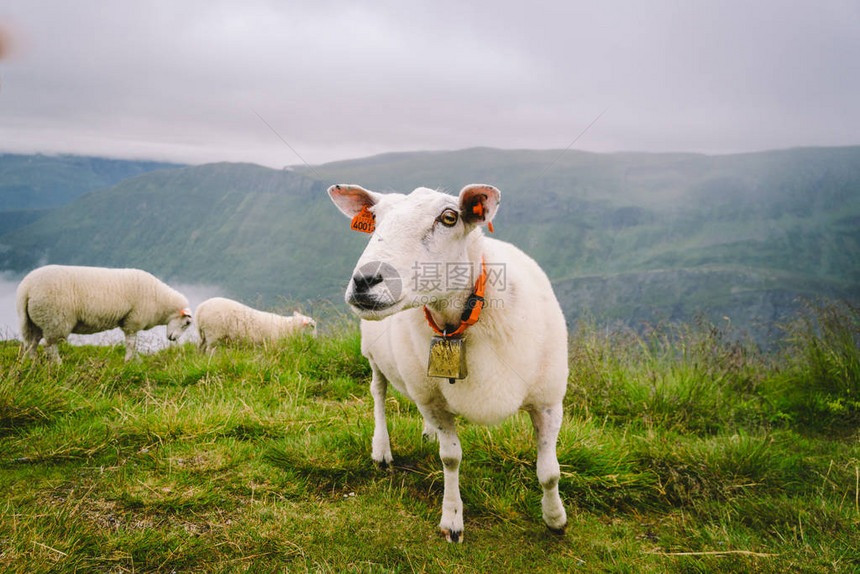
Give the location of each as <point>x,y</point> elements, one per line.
<point>363,221</point>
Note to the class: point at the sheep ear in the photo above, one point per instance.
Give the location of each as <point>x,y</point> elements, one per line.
<point>478,204</point>
<point>350,199</point>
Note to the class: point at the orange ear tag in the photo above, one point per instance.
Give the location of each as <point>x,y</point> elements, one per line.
<point>478,209</point>
<point>363,221</point>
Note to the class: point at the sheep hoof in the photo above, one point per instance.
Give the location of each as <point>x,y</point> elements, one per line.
<point>454,536</point>
<point>429,433</point>
<point>383,464</point>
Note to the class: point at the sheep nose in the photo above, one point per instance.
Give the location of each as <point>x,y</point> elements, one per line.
<point>363,282</point>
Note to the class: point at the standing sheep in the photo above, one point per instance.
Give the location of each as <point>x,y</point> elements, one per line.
<point>57,300</point>
<point>222,320</point>
<point>408,286</point>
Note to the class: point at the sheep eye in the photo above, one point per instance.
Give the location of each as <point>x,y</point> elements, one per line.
<point>448,218</point>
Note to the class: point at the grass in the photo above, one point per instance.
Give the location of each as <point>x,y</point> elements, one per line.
<point>683,450</point>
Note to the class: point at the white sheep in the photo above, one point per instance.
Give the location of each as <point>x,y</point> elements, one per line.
<point>516,352</point>
<point>57,300</point>
<point>224,320</point>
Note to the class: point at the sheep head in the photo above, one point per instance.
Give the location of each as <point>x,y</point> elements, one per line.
<point>178,324</point>
<point>418,239</point>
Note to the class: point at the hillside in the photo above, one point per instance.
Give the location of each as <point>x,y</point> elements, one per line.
<point>256,232</point>
<point>646,237</point>
<point>30,185</point>
<point>629,237</point>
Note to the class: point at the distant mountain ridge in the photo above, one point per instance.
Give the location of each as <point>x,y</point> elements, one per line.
<point>32,185</point>
<point>625,237</point>
<point>41,181</point>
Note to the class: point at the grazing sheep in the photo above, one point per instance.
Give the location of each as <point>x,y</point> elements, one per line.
<point>516,352</point>
<point>223,320</point>
<point>57,300</point>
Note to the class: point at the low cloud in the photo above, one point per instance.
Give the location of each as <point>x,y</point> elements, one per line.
<point>8,316</point>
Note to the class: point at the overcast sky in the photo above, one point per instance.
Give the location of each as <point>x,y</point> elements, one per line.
<point>189,81</point>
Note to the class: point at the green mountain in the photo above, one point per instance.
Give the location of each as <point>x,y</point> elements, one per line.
<point>30,185</point>
<point>256,232</point>
<point>647,237</point>
<point>625,237</point>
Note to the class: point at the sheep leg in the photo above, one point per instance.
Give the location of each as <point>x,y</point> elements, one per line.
<point>29,347</point>
<point>428,433</point>
<point>205,346</point>
<point>31,335</point>
<point>130,345</point>
<point>51,349</point>
<point>381,442</point>
<point>451,454</point>
<point>547,424</point>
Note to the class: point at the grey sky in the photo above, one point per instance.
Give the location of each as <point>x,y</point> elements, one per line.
<point>183,81</point>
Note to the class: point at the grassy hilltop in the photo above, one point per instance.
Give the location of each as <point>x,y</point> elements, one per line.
<point>682,450</point>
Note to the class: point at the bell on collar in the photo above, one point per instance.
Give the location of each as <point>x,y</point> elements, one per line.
<point>447,358</point>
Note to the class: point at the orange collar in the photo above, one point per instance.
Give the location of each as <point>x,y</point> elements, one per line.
<point>471,312</point>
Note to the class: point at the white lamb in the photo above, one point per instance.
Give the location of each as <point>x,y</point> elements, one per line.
<point>516,352</point>
<point>57,300</point>
<point>224,320</point>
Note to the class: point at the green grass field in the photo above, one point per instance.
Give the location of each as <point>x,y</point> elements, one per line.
<point>683,450</point>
